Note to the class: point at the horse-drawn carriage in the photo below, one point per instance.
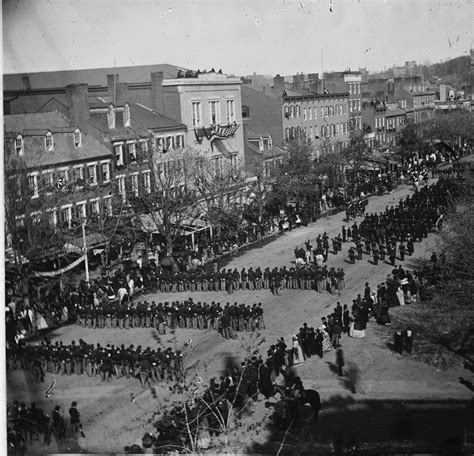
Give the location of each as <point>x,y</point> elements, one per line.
<point>356,208</point>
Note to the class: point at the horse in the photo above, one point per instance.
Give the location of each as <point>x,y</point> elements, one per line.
<point>308,396</point>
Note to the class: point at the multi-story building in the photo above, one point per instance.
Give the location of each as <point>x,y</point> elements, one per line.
<point>373,121</point>
<point>287,114</point>
<point>69,172</point>
<point>321,118</point>
<point>210,106</point>
<point>395,120</point>
<point>347,82</point>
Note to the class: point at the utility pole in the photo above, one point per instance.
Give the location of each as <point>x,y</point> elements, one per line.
<point>86,262</point>
<point>322,69</point>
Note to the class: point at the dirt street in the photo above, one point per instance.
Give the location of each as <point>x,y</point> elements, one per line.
<point>111,420</point>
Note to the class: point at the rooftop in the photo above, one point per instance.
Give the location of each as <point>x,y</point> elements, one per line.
<point>33,127</point>
<point>93,76</point>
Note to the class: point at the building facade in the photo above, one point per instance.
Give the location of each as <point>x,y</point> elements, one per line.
<point>347,82</point>
<point>69,173</point>
<point>321,118</point>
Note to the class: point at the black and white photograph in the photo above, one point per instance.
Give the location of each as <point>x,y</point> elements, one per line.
<point>237,227</point>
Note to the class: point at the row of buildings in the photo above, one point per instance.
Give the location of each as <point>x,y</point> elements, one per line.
<point>117,131</point>
<point>92,137</point>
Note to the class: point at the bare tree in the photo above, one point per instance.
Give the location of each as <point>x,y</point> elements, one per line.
<point>170,203</point>
<point>220,189</point>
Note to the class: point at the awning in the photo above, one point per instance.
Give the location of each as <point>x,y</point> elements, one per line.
<point>224,149</point>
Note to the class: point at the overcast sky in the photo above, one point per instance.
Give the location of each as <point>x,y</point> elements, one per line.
<point>239,36</point>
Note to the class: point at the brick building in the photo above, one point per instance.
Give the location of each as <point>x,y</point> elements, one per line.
<point>347,82</point>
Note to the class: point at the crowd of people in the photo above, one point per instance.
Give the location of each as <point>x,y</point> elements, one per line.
<point>186,314</point>
<point>26,424</point>
<point>92,360</point>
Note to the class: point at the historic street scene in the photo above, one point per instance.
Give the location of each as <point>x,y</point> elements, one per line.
<point>238,227</point>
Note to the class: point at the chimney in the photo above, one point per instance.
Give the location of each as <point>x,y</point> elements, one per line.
<point>78,103</point>
<point>112,85</point>
<point>157,98</point>
<point>122,93</point>
<point>279,82</point>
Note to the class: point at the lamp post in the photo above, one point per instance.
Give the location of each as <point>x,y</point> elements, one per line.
<point>86,262</point>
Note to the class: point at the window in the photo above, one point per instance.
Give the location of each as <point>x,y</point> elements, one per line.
<point>118,154</point>
<point>126,115</point>
<point>160,144</point>
<point>310,132</point>
<point>337,129</point>
<point>197,114</point>
<point>94,205</point>
<point>292,111</point>
<point>217,162</point>
<point>132,152</point>
<point>326,111</point>
<point>298,111</point>
<point>33,185</point>
<point>169,142</point>
<point>66,216</point>
<point>304,113</point>
<point>52,217</point>
<point>78,173</point>
<point>48,179</point>
<point>134,182</point>
<point>233,162</point>
<point>147,182</point>
<point>81,210</point>
<point>315,113</point>
<point>92,173</point>
<point>49,142</point>
<point>230,111</point>
<point>310,113</point>
<point>105,168</point>
<point>62,179</point>
<point>111,116</point>
<point>107,205</point>
<point>19,145</point>
<point>214,117</point>
<point>121,185</point>
<point>331,110</point>
<point>77,138</point>
<point>350,88</point>
<point>180,141</point>
<point>287,133</point>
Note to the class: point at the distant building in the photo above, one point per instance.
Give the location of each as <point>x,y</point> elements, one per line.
<point>287,114</point>
<point>374,121</point>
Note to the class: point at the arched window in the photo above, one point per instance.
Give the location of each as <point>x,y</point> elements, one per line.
<point>111,116</point>
<point>287,133</point>
<point>126,115</point>
<point>19,145</point>
<point>292,133</point>
<point>77,138</point>
<point>49,142</point>
<point>298,111</point>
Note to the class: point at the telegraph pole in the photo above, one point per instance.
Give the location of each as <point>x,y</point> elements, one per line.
<point>86,262</point>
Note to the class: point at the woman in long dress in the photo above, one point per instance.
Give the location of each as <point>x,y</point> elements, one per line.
<point>327,345</point>
<point>400,296</point>
<point>356,328</point>
<point>297,352</point>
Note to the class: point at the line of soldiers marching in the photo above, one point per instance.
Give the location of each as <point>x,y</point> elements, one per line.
<point>410,221</point>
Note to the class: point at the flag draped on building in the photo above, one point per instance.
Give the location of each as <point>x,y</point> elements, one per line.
<point>216,132</point>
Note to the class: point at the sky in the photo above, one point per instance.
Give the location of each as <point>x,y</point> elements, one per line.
<point>241,37</point>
